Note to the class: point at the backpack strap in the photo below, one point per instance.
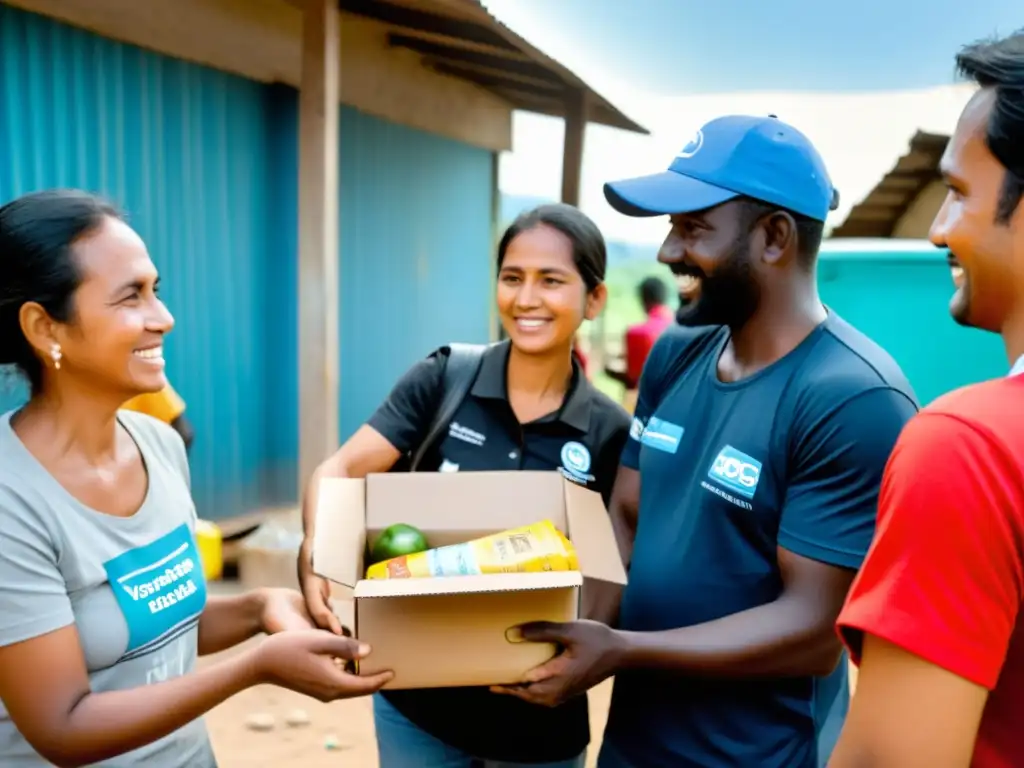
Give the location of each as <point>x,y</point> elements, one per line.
<point>460,371</point>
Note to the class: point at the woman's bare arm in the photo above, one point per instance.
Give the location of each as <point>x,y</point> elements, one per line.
<point>229,620</point>
<point>366,452</point>
<point>45,688</point>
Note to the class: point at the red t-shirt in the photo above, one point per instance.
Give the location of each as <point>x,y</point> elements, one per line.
<point>641,337</point>
<point>944,577</point>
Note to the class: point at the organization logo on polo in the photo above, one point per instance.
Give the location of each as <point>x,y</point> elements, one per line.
<point>692,146</point>
<point>576,462</point>
<point>736,472</point>
<point>465,434</point>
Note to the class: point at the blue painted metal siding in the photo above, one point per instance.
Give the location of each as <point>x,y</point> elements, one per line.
<point>416,261</point>
<point>205,165</point>
<point>416,253</point>
<point>184,150</point>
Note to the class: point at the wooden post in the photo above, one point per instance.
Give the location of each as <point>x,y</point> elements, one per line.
<point>572,170</point>
<point>318,236</point>
<point>572,148</point>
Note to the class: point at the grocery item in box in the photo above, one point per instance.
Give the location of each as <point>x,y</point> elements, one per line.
<point>397,540</point>
<point>530,549</point>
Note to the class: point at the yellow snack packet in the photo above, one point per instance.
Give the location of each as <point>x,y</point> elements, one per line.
<point>532,548</point>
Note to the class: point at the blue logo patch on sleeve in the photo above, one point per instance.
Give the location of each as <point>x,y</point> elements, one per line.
<point>160,589</point>
<point>736,471</point>
<point>636,428</point>
<point>662,435</point>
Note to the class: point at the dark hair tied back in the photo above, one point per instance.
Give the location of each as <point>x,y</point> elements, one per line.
<point>588,247</point>
<point>37,232</point>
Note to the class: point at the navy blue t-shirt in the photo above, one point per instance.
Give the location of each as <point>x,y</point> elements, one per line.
<point>790,457</point>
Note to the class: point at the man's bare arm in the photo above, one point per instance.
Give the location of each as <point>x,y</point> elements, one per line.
<point>908,713</point>
<point>793,635</point>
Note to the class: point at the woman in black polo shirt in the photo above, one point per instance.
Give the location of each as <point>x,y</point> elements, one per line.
<point>528,401</point>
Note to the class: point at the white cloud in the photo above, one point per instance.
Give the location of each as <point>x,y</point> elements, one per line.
<point>860,135</point>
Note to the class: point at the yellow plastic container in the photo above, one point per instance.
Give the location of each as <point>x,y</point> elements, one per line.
<point>530,549</point>
<point>210,543</point>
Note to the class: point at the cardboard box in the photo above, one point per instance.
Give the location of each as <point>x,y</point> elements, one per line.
<point>452,631</point>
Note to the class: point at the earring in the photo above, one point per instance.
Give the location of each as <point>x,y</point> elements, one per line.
<point>56,354</point>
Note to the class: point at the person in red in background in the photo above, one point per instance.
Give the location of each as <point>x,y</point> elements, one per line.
<point>934,617</point>
<point>641,337</point>
<point>580,355</point>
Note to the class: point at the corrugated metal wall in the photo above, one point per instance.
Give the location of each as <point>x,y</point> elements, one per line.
<point>184,150</point>
<point>416,261</point>
<point>416,213</point>
<point>206,165</point>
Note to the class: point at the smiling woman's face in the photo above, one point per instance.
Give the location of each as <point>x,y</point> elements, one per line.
<point>114,342</point>
<point>542,299</point>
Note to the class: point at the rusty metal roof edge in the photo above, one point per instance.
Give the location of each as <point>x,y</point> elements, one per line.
<point>542,58</point>
<point>913,145</point>
<point>921,137</point>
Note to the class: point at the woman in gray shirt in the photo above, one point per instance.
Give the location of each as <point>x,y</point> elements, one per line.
<point>103,605</point>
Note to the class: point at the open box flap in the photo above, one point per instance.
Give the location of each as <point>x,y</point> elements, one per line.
<point>590,529</point>
<point>340,537</point>
<point>454,585</point>
<point>463,501</point>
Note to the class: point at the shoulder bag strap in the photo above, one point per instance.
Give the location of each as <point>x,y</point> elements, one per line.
<point>460,370</point>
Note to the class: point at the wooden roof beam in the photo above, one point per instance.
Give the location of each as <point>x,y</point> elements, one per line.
<point>496,78</point>
<point>495,81</point>
<point>459,55</point>
<point>410,18</point>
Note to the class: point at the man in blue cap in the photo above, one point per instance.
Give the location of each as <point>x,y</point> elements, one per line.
<point>763,425</point>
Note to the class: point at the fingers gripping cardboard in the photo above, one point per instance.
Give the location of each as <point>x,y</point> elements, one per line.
<point>437,632</point>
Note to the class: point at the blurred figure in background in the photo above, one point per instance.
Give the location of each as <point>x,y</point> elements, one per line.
<point>580,356</point>
<point>167,406</point>
<point>640,338</point>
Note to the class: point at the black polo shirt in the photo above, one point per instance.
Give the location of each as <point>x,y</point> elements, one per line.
<point>583,438</point>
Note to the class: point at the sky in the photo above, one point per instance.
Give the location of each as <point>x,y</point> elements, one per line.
<point>858,78</point>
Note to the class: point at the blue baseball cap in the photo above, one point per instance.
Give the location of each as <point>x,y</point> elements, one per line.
<point>759,157</point>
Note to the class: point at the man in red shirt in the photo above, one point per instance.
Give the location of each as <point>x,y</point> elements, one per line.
<point>641,337</point>
<point>934,617</point>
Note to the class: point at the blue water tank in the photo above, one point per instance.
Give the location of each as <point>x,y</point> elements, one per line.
<point>897,292</point>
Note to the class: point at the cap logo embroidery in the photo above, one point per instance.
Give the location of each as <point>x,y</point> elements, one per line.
<point>692,146</point>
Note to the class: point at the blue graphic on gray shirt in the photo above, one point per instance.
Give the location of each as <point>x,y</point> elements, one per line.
<point>160,589</point>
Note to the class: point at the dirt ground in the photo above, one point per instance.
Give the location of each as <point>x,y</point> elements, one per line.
<point>338,734</point>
